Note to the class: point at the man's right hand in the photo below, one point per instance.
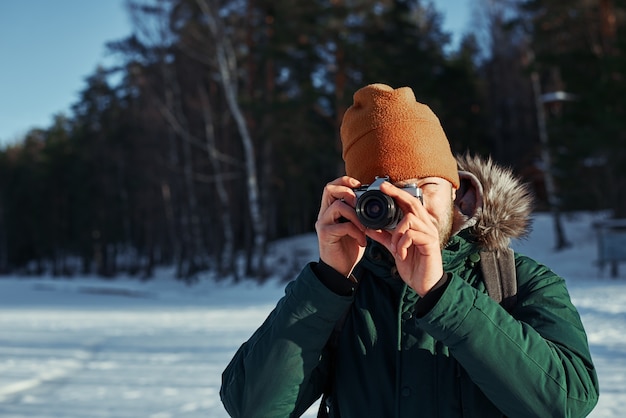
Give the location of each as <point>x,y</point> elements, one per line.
<point>341,237</point>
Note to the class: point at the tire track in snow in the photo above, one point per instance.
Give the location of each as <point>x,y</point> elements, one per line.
<point>78,361</point>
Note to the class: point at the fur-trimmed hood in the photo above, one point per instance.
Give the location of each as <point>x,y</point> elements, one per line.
<point>492,202</point>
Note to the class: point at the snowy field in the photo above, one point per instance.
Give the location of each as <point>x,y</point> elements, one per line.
<point>122,349</point>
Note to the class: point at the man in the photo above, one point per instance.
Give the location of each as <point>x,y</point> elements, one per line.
<point>420,336</point>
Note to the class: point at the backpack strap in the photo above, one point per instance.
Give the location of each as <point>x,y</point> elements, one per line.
<point>498,268</point>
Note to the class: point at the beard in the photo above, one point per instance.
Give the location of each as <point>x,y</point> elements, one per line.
<point>445,227</point>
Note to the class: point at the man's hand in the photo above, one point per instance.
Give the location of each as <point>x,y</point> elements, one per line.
<point>414,243</point>
<point>341,237</point>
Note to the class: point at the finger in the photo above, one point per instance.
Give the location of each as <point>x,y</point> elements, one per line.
<point>339,189</point>
<point>337,232</point>
<point>413,239</point>
<point>338,223</point>
<point>410,222</point>
<point>422,234</point>
<point>340,212</point>
<point>407,202</point>
<point>381,236</point>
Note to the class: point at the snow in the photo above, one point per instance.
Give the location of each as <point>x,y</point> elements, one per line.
<point>82,348</point>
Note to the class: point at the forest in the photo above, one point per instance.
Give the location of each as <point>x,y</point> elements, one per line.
<point>218,128</point>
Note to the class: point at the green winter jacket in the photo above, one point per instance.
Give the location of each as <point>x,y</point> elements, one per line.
<point>464,356</point>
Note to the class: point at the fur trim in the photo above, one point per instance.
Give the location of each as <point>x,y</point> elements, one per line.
<point>507,203</point>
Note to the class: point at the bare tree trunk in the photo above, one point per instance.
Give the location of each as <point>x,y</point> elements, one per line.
<point>175,161</point>
<point>340,105</point>
<point>128,249</point>
<point>4,257</point>
<point>225,58</point>
<point>192,236</point>
<point>171,187</point>
<point>193,221</point>
<point>561,240</point>
<point>226,258</point>
<point>192,254</point>
<point>608,24</point>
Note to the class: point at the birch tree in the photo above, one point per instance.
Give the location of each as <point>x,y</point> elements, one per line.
<point>226,263</point>
<point>191,255</point>
<point>225,60</point>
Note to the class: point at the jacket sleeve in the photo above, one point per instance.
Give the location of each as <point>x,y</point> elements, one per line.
<point>280,371</point>
<point>535,362</point>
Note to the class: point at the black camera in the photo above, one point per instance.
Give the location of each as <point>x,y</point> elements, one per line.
<point>377,210</point>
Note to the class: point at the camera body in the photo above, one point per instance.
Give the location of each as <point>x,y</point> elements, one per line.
<point>377,210</point>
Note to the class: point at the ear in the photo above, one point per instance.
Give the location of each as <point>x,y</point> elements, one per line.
<point>469,196</point>
<point>468,203</point>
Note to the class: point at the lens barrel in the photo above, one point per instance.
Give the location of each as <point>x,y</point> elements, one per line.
<point>377,210</point>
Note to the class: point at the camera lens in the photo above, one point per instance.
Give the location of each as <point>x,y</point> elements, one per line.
<point>373,209</point>
<point>376,210</point>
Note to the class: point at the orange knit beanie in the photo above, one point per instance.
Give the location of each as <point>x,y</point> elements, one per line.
<point>386,132</point>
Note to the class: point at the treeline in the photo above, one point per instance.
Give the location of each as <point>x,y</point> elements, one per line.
<point>219,128</point>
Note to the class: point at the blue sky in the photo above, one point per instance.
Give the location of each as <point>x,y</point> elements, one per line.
<point>49,47</point>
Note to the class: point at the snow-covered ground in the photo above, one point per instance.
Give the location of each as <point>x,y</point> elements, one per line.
<point>82,348</point>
